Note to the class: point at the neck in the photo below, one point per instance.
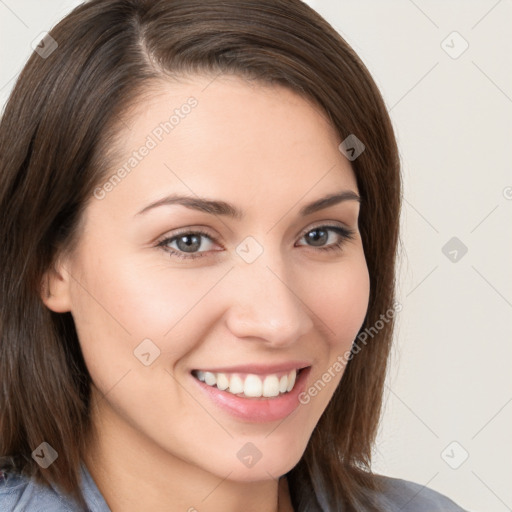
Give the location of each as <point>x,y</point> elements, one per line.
<point>133,473</point>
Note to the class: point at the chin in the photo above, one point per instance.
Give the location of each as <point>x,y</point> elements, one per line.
<point>251,464</point>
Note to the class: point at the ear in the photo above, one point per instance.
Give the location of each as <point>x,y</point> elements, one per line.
<point>55,288</point>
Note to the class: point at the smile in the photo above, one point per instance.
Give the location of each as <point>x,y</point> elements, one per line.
<point>250,385</point>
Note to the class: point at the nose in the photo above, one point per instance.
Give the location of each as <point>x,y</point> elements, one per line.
<point>265,306</point>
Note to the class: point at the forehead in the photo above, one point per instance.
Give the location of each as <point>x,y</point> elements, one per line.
<point>230,138</point>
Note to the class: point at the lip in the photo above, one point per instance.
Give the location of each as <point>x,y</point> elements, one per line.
<point>261,409</point>
<point>260,369</point>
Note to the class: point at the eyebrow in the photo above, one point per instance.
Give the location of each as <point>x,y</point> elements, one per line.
<point>216,207</point>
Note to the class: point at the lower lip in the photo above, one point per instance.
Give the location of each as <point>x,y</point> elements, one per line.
<point>261,409</point>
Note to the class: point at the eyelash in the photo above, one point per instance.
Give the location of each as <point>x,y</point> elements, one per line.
<point>344,233</point>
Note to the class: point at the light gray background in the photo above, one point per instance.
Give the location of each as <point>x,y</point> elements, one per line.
<point>450,379</point>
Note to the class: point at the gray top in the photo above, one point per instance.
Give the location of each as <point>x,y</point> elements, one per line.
<point>21,494</point>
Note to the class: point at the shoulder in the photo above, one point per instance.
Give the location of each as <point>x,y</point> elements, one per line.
<point>405,496</point>
<point>19,493</point>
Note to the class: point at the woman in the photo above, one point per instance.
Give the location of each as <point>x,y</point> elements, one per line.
<point>201,204</point>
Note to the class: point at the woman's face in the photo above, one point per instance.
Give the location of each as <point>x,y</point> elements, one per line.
<point>159,290</point>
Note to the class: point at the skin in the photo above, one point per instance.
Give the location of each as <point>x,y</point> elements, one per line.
<point>159,443</point>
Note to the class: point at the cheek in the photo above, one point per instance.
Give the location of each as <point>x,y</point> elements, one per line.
<point>142,302</point>
<point>343,301</point>
<point>119,302</point>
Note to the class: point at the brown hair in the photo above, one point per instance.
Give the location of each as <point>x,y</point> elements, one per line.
<point>58,124</point>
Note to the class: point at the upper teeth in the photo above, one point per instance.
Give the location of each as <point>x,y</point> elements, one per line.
<point>252,386</point>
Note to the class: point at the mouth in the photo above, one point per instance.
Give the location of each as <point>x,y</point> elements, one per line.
<point>251,385</point>
<point>266,396</point>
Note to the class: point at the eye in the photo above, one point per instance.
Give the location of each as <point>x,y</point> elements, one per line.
<point>188,243</point>
<point>320,234</point>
